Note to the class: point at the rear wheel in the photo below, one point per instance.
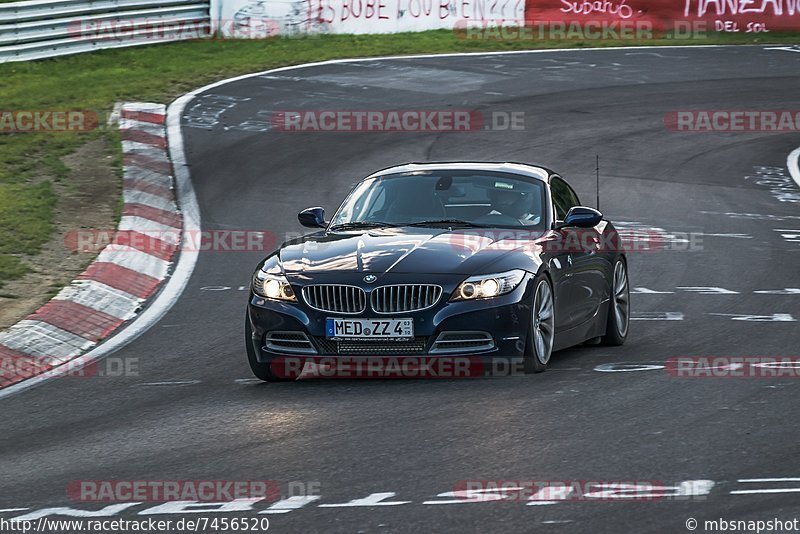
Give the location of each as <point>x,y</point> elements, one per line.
<point>619,309</point>
<point>263,371</point>
<point>539,346</point>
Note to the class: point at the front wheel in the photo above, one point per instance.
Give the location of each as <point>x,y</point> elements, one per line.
<point>263,371</point>
<point>539,346</point>
<point>619,309</point>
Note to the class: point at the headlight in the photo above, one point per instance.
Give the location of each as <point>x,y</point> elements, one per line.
<point>488,285</point>
<point>273,286</point>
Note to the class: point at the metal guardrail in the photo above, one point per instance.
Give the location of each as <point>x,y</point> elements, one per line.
<point>38,29</point>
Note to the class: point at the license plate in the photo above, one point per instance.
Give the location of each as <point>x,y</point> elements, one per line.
<point>369,328</point>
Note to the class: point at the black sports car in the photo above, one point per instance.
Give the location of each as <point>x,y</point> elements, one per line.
<point>494,261</point>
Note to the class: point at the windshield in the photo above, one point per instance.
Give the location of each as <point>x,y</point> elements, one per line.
<point>490,199</point>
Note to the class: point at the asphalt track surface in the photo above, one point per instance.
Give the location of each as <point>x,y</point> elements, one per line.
<point>419,438</point>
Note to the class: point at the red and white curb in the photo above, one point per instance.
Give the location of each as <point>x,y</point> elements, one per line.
<point>114,287</point>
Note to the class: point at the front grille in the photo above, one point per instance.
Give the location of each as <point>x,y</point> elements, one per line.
<point>451,342</point>
<point>336,298</point>
<point>294,342</point>
<point>405,298</point>
<point>369,347</point>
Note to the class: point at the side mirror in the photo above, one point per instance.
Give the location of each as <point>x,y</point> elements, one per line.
<point>312,217</point>
<point>582,217</point>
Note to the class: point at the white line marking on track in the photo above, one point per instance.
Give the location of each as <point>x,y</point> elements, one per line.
<point>793,48</point>
<point>292,503</point>
<point>735,236</point>
<point>658,316</point>
<point>627,367</point>
<point>756,480</point>
<point>766,490</point>
<point>373,499</point>
<point>790,236</point>
<point>109,511</point>
<point>644,290</point>
<point>707,290</point>
<point>244,504</point>
<point>249,381</point>
<point>775,317</point>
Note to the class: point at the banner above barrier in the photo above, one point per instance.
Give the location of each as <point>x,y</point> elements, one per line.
<point>266,18</point>
<point>734,16</point>
<point>682,18</point>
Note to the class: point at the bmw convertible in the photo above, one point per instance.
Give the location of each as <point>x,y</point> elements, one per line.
<point>495,261</point>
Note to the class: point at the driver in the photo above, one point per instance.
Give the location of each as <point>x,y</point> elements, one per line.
<point>517,204</point>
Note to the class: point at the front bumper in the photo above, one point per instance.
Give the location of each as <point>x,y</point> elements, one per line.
<point>503,320</point>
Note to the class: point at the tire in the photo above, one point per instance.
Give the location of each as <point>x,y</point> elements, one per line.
<point>262,371</point>
<point>619,306</point>
<point>539,346</point>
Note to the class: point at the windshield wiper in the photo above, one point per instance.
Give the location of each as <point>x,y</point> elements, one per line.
<point>357,225</point>
<point>446,222</point>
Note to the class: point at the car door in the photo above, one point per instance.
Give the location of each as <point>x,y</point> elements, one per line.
<point>581,246</point>
<point>561,260</point>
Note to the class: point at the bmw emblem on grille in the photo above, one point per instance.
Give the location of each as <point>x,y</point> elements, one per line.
<point>370,278</point>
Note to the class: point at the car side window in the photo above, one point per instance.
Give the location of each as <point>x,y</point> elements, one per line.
<point>564,197</point>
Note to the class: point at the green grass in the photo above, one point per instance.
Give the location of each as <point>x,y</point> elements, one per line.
<point>26,213</point>
<point>95,81</point>
<point>11,267</point>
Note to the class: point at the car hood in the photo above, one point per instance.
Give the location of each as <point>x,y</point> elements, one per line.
<point>427,250</point>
